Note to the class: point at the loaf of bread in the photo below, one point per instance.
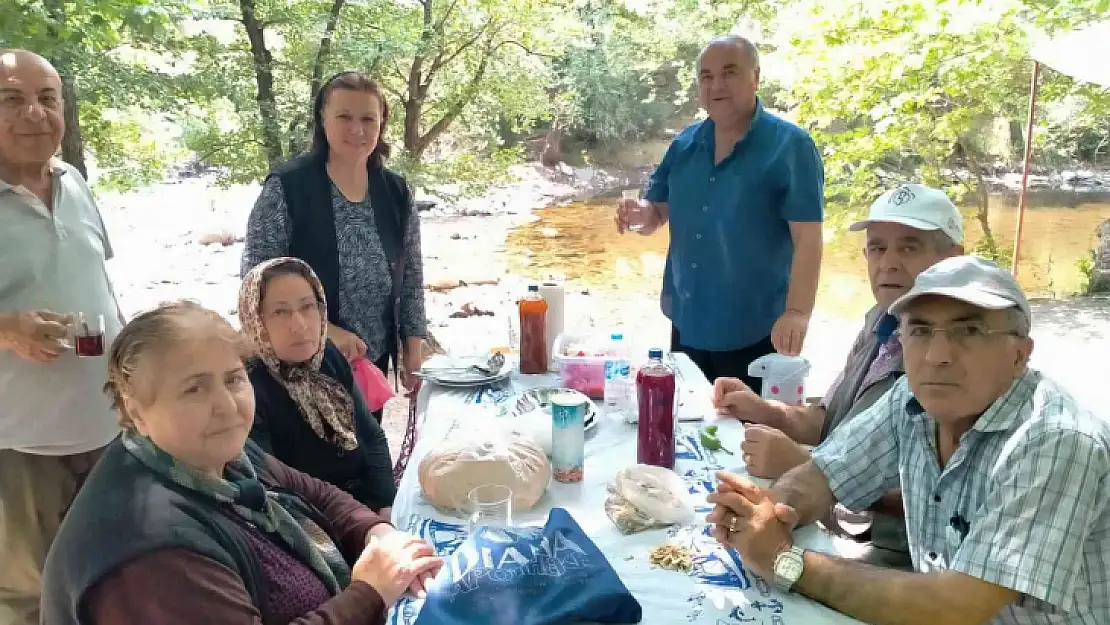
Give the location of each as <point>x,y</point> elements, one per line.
<point>464,461</point>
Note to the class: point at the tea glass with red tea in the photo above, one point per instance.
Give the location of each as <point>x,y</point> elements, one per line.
<point>88,335</point>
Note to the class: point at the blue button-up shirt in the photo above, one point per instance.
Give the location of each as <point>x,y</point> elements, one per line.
<point>728,266</point>
<point>1023,503</point>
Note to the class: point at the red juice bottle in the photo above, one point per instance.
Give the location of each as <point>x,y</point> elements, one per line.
<point>533,332</point>
<point>655,432</point>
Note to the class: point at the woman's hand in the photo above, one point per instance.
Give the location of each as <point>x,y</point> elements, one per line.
<point>394,562</point>
<point>348,343</point>
<point>413,359</point>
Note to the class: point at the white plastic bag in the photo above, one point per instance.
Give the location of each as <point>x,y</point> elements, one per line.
<point>642,497</point>
<point>469,457</point>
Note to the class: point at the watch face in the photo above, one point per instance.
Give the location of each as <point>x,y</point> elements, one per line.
<point>789,567</point>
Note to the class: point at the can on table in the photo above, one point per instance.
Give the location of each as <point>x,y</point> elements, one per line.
<point>568,435</point>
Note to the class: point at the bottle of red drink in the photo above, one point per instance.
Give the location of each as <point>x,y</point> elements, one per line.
<point>533,332</point>
<point>655,384</point>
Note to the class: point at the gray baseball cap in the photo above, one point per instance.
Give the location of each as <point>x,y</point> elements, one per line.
<point>916,206</point>
<point>970,279</point>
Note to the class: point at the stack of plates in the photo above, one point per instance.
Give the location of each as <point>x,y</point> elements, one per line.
<point>458,373</point>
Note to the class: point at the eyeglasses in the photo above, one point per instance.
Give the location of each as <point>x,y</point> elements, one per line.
<point>964,335</point>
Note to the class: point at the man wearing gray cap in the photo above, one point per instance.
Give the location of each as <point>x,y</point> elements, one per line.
<point>909,228</point>
<point>1006,480</point>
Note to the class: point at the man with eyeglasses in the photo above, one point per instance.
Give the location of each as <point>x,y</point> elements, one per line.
<point>909,228</point>
<point>1006,480</point>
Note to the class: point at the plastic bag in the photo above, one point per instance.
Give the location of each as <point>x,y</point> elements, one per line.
<point>372,383</point>
<point>546,575</point>
<point>643,497</point>
<point>478,453</point>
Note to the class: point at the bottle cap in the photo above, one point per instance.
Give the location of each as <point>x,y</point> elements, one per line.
<point>533,288</point>
<point>655,352</point>
<point>616,336</point>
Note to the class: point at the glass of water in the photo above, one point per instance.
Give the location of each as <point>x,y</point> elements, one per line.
<point>491,505</point>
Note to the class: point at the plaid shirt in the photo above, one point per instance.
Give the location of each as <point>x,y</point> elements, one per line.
<point>1023,502</point>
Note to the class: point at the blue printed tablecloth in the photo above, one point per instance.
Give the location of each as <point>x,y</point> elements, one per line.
<point>719,591</point>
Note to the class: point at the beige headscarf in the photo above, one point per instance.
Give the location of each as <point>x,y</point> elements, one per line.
<point>324,403</point>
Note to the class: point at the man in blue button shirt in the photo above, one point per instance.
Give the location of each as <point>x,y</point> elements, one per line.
<point>743,194</point>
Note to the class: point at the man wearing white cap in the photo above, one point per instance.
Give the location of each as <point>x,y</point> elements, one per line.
<point>1006,480</point>
<point>909,228</point>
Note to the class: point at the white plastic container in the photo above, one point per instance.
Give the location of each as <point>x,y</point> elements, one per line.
<point>620,387</point>
<point>784,377</point>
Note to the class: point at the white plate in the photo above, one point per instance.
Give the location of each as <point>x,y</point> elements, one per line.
<point>538,400</point>
<point>466,380</point>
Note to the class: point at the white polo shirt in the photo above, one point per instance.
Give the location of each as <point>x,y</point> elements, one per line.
<point>55,261</point>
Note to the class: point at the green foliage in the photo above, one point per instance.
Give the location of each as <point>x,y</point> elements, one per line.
<point>901,90</point>
<point>892,89</point>
<point>1085,266</point>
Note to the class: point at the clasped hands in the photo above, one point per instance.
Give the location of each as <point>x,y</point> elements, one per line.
<point>748,519</point>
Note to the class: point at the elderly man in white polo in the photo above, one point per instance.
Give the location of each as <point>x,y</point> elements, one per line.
<point>54,416</point>
<point>1005,479</point>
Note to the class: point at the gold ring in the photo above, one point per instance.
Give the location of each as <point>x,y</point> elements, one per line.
<point>732,524</point>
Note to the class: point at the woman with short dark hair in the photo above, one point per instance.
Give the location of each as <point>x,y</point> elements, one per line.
<point>338,209</point>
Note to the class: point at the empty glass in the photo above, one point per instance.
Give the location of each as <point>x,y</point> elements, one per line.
<point>491,505</point>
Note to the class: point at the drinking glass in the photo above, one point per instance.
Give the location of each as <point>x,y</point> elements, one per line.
<point>638,213</point>
<point>491,505</point>
<point>88,334</point>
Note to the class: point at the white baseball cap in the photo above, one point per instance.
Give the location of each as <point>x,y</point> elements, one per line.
<point>970,279</point>
<point>916,206</point>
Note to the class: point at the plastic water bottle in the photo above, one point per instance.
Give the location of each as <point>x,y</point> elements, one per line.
<point>619,385</point>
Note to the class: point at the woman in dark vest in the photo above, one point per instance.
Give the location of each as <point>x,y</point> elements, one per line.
<point>308,412</point>
<point>185,521</point>
<point>338,209</point>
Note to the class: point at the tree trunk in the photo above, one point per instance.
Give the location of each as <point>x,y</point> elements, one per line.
<point>325,49</point>
<point>73,146</point>
<point>1017,141</point>
<point>982,200</point>
<point>264,77</point>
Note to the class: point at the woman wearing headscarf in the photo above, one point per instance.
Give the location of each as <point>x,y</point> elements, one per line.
<point>309,414</point>
<point>352,220</point>
<point>185,521</point>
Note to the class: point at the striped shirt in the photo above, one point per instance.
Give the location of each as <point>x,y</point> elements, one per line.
<point>1022,503</point>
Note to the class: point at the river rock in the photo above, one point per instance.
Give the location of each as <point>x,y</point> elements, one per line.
<point>1100,278</point>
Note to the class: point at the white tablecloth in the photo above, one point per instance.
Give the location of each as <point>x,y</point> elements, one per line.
<point>719,591</point>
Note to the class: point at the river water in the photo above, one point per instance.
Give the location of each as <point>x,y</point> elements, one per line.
<point>578,241</point>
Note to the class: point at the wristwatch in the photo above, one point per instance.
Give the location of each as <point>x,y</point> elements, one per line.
<point>788,568</point>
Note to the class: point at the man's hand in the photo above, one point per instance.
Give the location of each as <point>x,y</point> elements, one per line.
<point>636,215</point>
<point>732,397</point>
<point>348,343</point>
<point>769,453</point>
<point>37,336</point>
<point>747,518</point>
<point>789,332</point>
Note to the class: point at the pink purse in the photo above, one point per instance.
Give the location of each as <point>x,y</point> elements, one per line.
<point>371,381</point>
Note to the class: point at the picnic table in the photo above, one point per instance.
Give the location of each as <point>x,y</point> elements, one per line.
<point>719,591</point>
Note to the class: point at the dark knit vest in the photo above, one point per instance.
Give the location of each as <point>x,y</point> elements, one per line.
<point>307,189</point>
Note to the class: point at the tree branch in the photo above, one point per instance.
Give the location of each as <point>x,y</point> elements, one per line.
<point>440,61</point>
<point>325,49</point>
<point>443,20</point>
<point>527,49</point>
